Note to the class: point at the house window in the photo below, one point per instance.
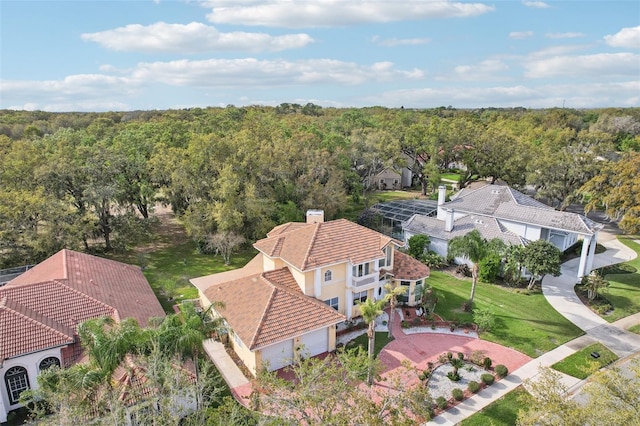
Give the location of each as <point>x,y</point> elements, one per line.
<point>360,270</point>
<point>17,381</point>
<point>49,362</point>
<point>360,297</point>
<point>332,302</point>
<point>404,297</point>
<point>327,276</point>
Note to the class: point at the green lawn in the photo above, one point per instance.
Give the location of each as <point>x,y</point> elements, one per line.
<point>581,364</point>
<point>503,412</point>
<point>634,329</point>
<point>524,320</point>
<point>169,269</point>
<point>450,176</point>
<point>381,341</point>
<point>624,288</point>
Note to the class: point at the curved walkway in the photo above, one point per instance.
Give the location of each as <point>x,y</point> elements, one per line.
<point>559,292</point>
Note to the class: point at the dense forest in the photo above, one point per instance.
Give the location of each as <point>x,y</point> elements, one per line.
<point>90,180</point>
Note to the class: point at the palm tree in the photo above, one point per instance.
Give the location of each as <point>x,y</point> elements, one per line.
<point>392,295</point>
<point>474,247</point>
<point>370,310</point>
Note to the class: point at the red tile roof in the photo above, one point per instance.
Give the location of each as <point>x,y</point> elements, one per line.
<point>269,307</point>
<point>308,246</point>
<point>42,307</point>
<point>406,267</point>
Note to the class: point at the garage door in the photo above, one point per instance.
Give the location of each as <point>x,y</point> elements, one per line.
<point>315,342</point>
<point>278,355</point>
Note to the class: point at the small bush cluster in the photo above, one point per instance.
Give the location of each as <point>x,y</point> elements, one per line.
<point>441,402</point>
<point>477,357</point>
<point>473,386</point>
<point>457,394</point>
<point>486,363</point>
<point>433,260</point>
<point>463,270</point>
<point>487,379</point>
<point>453,376</point>
<point>501,370</point>
<point>490,268</point>
<point>485,319</point>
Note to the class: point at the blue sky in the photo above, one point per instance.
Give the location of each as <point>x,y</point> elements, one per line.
<point>127,55</point>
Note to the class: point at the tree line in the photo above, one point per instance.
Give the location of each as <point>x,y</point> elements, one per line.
<point>91,180</point>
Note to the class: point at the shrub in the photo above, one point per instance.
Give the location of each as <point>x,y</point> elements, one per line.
<point>490,268</point>
<point>442,358</point>
<point>416,321</point>
<point>485,319</point>
<point>453,376</point>
<point>486,363</point>
<point>449,356</point>
<point>404,324</point>
<point>441,402</point>
<point>427,373</point>
<point>473,386</point>
<point>417,245</point>
<point>422,377</point>
<point>460,355</point>
<point>457,394</point>
<point>429,366</point>
<point>487,379</point>
<point>433,260</point>
<point>501,370</point>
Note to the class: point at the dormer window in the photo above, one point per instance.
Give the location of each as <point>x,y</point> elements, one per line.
<point>327,276</point>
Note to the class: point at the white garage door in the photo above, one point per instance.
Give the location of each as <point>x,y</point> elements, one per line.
<point>278,355</point>
<point>315,342</point>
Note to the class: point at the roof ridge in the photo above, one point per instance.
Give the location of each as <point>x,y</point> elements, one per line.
<point>65,274</point>
<point>264,312</point>
<point>311,243</point>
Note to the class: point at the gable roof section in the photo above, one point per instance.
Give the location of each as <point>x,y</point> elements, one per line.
<point>488,227</point>
<point>42,307</point>
<point>266,308</point>
<point>118,285</point>
<point>503,202</point>
<point>25,331</point>
<point>406,267</point>
<point>308,246</point>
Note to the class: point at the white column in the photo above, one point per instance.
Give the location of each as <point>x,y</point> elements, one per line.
<point>317,284</point>
<point>583,255</point>
<point>349,275</point>
<point>592,253</point>
<point>348,297</point>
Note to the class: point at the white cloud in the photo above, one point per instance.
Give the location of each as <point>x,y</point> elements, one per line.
<point>564,35</point>
<point>626,37</point>
<point>332,13</point>
<point>489,69</point>
<point>536,4</point>
<point>544,96</point>
<point>392,42</point>
<point>600,65</point>
<point>519,35</point>
<point>194,37</point>
<point>267,73</point>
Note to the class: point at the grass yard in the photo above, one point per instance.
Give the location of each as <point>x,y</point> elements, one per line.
<point>634,329</point>
<point>581,364</point>
<point>381,341</point>
<point>450,176</point>
<point>503,412</point>
<point>524,320</point>
<point>624,288</point>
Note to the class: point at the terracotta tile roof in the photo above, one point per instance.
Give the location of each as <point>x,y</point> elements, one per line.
<point>121,286</point>
<point>42,307</point>
<point>268,307</point>
<point>406,267</point>
<point>308,246</point>
<point>25,331</point>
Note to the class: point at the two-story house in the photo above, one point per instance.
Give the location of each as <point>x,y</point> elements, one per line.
<point>306,279</point>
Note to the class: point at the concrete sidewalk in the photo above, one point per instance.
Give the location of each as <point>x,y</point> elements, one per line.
<point>559,292</point>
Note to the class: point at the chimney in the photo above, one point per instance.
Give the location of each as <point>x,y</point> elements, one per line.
<point>442,196</point>
<point>448,223</point>
<point>315,216</point>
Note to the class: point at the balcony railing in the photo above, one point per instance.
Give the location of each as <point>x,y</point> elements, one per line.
<point>365,280</point>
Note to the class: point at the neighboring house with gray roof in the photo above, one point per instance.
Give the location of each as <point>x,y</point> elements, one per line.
<point>499,211</point>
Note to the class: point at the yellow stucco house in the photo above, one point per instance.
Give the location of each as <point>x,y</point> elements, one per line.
<point>306,279</point>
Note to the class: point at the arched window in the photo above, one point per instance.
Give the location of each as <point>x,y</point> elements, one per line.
<point>49,362</point>
<point>327,276</point>
<point>17,381</point>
